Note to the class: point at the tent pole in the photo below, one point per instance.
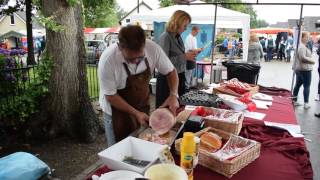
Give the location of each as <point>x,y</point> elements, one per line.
<point>298,42</point>
<point>213,46</point>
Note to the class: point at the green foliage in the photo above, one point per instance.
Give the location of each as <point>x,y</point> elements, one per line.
<point>220,38</point>
<point>49,22</point>
<point>10,9</point>
<point>262,23</point>
<point>73,2</point>
<point>16,111</point>
<point>100,13</point>
<point>166,3</point>
<point>120,12</point>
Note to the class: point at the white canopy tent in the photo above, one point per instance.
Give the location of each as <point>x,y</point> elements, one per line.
<point>201,14</point>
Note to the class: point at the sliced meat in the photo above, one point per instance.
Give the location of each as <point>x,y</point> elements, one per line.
<point>161,120</point>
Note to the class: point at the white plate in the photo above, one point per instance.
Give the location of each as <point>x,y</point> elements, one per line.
<point>232,102</point>
<point>120,175</point>
<point>166,172</point>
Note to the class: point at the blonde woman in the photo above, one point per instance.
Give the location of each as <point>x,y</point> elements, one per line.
<point>173,46</point>
<point>303,68</point>
<point>255,51</point>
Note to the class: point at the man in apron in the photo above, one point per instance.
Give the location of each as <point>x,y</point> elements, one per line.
<point>124,72</point>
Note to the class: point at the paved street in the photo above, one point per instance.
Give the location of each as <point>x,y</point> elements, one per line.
<point>279,74</point>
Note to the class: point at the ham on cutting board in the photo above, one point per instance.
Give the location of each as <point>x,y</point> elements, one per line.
<point>162,120</point>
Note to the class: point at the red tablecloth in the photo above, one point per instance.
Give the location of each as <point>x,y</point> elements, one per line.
<point>282,156</point>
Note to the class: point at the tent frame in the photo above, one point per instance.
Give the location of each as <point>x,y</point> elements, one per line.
<point>257,3</point>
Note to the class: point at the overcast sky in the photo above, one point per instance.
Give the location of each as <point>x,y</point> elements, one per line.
<point>271,14</point>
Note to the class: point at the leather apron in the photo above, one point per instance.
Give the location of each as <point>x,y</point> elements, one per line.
<point>136,93</point>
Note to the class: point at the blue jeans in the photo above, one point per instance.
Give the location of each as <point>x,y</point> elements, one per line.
<point>230,53</point>
<point>108,125</point>
<point>269,53</point>
<point>189,78</point>
<point>302,78</point>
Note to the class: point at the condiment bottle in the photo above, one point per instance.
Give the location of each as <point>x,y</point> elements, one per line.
<point>187,149</point>
<point>196,152</point>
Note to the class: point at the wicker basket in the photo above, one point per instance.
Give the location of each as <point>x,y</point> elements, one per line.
<point>228,167</point>
<point>223,89</point>
<point>230,127</point>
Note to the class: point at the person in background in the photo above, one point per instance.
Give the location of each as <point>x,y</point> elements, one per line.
<point>263,44</point>
<point>282,47</point>
<point>255,51</point>
<point>38,48</point>
<point>234,46</point>
<point>318,95</point>
<point>239,47</point>
<point>43,43</point>
<point>289,47</point>
<point>230,48</point>
<point>310,44</point>
<point>190,44</point>
<point>270,45</point>
<point>225,46</point>
<point>124,72</point>
<point>303,68</point>
<point>172,44</point>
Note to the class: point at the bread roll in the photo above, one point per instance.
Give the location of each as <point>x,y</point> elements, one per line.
<point>210,142</point>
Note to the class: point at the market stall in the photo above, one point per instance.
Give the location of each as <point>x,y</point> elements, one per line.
<point>271,124</point>
<point>201,14</point>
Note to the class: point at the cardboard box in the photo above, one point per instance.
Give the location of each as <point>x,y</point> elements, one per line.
<point>133,147</point>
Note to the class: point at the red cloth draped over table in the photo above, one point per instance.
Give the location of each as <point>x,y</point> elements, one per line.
<point>282,156</point>
<point>281,110</point>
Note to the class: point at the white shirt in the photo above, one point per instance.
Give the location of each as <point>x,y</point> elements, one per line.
<point>113,76</point>
<point>190,43</point>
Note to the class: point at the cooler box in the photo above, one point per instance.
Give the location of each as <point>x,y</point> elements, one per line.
<point>244,72</point>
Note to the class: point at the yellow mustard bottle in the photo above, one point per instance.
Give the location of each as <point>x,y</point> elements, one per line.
<point>188,147</point>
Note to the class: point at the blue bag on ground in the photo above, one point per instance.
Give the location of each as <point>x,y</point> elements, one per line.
<point>21,165</point>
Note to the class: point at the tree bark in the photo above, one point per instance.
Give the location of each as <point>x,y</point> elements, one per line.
<point>69,110</point>
<point>30,58</point>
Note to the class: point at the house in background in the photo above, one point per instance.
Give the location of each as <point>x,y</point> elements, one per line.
<point>13,29</point>
<point>125,20</point>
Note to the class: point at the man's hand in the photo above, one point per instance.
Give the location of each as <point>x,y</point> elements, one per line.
<point>172,103</point>
<point>191,55</point>
<point>142,118</point>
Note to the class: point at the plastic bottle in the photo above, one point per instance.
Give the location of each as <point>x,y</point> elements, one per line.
<point>196,151</point>
<point>187,149</point>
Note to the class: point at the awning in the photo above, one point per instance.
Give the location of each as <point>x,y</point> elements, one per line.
<point>270,30</point>
<point>101,30</point>
<point>11,34</point>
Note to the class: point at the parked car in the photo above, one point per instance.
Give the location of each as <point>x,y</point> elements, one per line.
<point>94,50</point>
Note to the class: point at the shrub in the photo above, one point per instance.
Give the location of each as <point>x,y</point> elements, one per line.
<point>20,95</point>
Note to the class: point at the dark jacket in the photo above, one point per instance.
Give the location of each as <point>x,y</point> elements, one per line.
<point>174,48</point>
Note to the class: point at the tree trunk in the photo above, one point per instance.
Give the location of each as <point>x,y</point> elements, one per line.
<point>30,58</point>
<point>69,110</point>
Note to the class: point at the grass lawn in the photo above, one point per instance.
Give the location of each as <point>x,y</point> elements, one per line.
<point>92,78</point>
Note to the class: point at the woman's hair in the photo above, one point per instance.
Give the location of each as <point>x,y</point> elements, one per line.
<point>132,37</point>
<point>304,34</point>
<point>253,38</point>
<point>177,20</point>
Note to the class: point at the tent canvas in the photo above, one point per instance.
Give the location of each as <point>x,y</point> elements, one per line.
<point>201,14</point>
